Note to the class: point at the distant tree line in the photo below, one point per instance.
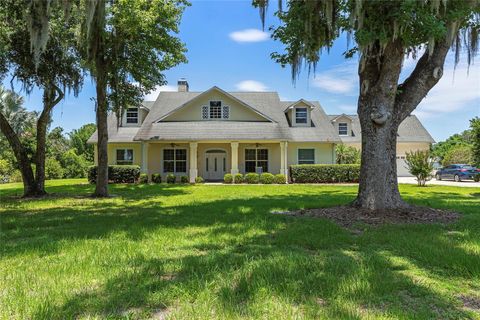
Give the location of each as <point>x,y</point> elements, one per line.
<point>67,155</point>
<point>461,147</point>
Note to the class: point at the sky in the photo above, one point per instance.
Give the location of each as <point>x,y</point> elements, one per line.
<point>228,48</point>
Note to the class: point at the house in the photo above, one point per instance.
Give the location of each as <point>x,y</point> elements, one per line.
<point>215,132</point>
<point>411,136</point>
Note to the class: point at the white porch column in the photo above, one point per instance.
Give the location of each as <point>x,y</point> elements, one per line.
<point>193,161</point>
<point>283,159</point>
<point>234,146</point>
<point>145,157</point>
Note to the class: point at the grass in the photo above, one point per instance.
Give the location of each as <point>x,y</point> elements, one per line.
<point>217,252</point>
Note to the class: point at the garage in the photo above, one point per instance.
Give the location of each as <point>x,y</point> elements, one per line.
<point>402,170</point>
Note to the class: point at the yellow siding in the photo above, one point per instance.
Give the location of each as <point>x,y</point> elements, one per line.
<point>402,147</point>
<point>324,152</point>
<point>155,157</point>
<point>193,110</point>
<point>112,152</point>
<point>273,155</point>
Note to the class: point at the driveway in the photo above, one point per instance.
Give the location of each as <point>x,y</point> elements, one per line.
<point>412,180</point>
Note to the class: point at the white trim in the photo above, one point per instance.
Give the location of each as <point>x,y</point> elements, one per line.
<point>343,115</point>
<point>294,115</point>
<point>308,103</point>
<point>338,129</point>
<point>225,152</point>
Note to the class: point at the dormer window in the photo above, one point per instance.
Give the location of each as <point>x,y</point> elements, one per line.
<point>343,129</point>
<point>215,110</point>
<point>132,116</point>
<point>301,115</point>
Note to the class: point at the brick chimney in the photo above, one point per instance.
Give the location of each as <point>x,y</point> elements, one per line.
<point>182,85</point>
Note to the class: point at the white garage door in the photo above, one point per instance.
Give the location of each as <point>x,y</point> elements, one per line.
<point>402,170</point>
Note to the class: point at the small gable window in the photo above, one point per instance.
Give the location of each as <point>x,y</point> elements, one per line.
<point>301,115</point>
<point>132,115</point>
<point>124,156</point>
<point>306,156</point>
<point>343,129</point>
<point>215,110</point>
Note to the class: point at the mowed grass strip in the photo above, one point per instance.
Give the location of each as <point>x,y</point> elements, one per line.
<point>217,252</point>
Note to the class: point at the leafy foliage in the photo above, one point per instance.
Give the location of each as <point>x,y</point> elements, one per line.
<point>347,154</point>
<point>79,138</point>
<point>420,164</point>
<point>74,165</point>
<point>252,178</point>
<point>324,173</point>
<point>238,178</point>
<point>171,178</point>
<point>458,154</point>
<point>117,174</point>
<point>53,169</point>
<point>6,171</point>
<point>199,180</point>
<point>279,179</point>
<point>184,179</point>
<point>475,134</point>
<point>143,179</point>
<point>156,178</point>
<point>267,178</point>
<point>228,178</point>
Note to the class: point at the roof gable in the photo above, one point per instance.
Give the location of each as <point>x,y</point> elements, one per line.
<point>342,116</point>
<point>301,101</point>
<point>259,116</point>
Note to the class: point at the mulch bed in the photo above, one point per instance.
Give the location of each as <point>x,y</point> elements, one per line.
<point>347,216</point>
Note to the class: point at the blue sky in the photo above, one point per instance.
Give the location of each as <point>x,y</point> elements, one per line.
<point>227,48</point>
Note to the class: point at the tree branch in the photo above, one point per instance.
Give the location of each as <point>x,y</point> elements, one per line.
<point>423,78</point>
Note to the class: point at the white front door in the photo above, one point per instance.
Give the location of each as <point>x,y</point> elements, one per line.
<point>215,165</point>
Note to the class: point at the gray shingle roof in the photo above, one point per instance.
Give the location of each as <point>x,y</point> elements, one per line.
<point>265,103</point>
<point>410,130</point>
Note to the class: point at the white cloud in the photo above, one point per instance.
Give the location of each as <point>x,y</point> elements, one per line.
<point>251,85</point>
<point>338,79</point>
<point>456,91</point>
<point>152,96</point>
<point>249,35</point>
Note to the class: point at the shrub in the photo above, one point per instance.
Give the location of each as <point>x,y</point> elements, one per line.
<point>266,178</point>
<point>420,165</point>
<point>324,173</point>
<point>143,178</point>
<point>16,176</point>
<point>238,178</point>
<point>171,178</point>
<point>279,179</point>
<point>6,171</point>
<point>184,179</point>
<point>228,178</point>
<point>53,169</point>
<point>347,155</point>
<point>476,178</point>
<point>75,166</point>
<point>117,174</point>
<point>199,180</point>
<point>252,178</point>
<point>156,178</point>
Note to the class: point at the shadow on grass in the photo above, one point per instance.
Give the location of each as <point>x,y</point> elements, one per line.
<point>304,262</point>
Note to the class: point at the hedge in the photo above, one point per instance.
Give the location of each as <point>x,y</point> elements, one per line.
<point>267,178</point>
<point>252,178</point>
<point>238,178</point>
<point>279,179</point>
<point>324,173</point>
<point>156,178</point>
<point>117,174</point>
<point>227,178</point>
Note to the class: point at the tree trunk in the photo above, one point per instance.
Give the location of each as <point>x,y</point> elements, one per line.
<point>379,73</point>
<point>51,97</point>
<point>101,189</point>
<point>29,186</point>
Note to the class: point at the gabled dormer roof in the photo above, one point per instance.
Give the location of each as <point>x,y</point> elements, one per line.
<point>343,115</point>
<point>291,106</point>
<point>205,93</point>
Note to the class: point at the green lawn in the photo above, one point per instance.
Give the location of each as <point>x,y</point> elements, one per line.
<point>217,252</point>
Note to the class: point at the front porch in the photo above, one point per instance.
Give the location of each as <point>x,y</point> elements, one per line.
<point>212,160</point>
